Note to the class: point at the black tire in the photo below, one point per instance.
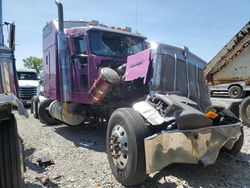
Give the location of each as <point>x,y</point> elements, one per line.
<point>244,111</point>
<point>134,171</point>
<point>44,115</point>
<point>11,168</point>
<point>238,144</point>
<point>34,107</point>
<point>236,92</point>
<point>31,106</point>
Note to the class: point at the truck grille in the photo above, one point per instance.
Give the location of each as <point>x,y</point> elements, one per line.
<point>26,93</point>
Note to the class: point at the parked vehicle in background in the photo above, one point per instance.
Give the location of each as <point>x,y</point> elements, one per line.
<point>232,64</point>
<point>11,164</point>
<point>235,90</point>
<point>28,82</point>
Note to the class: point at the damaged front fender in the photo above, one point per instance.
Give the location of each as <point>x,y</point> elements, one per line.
<point>189,146</point>
<point>11,99</point>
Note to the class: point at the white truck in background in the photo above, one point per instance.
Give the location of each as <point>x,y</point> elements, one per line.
<point>235,89</point>
<point>28,82</point>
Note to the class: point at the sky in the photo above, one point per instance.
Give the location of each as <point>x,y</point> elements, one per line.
<point>203,26</point>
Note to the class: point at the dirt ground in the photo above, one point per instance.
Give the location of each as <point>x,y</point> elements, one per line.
<point>80,160</point>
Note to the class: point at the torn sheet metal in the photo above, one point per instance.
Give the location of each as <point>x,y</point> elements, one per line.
<point>189,146</point>
<point>150,113</point>
<point>12,99</point>
<point>158,109</point>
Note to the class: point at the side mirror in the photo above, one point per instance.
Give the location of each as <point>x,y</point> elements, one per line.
<point>12,36</point>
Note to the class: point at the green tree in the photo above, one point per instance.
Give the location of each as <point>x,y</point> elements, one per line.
<point>33,62</point>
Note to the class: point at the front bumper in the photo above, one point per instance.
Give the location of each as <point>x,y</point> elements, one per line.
<point>189,146</point>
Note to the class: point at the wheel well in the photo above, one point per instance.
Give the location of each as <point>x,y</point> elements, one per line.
<point>234,85</point>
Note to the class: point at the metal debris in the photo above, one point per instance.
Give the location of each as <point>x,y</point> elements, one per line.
<point>45,179</point>
<point>45,161</point>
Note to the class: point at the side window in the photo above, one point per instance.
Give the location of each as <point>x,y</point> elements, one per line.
<point>47,60</point>
<point>47,30</point>
<point>80,46</point>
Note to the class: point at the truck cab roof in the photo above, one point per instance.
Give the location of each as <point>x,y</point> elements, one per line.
<point>100,28</point>
<point>79,26</point>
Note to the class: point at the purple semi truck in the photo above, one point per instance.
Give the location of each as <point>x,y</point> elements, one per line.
<point>11,165</point>
<point>154,99</point>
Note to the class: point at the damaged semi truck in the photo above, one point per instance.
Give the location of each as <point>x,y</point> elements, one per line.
<point>155,99</point>
<point>11,165</point>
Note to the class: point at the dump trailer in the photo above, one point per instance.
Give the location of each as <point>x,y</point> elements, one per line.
<point>232,64</point>
<point>155,100</point>
<point>11,165</point>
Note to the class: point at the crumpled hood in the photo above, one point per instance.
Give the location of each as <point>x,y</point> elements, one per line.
<point>28,83</point>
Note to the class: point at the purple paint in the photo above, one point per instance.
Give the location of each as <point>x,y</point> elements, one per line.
<point>83,76</point>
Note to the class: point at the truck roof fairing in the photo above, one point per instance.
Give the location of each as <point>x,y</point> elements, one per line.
<point>114,31</point>
<point>71,26</point>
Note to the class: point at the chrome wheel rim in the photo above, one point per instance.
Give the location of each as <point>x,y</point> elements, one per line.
<point>118,143</point>
<point>235,92</point>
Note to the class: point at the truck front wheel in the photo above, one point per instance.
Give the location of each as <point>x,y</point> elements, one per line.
<point>11,168</point>
<point>125,146</point>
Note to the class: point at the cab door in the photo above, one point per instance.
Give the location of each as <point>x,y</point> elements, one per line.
<point>80,64</point>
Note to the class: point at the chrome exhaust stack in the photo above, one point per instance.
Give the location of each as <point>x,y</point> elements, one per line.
<point>63,55</point>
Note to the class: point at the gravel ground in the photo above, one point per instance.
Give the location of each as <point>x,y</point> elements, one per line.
<point>80,160</point>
